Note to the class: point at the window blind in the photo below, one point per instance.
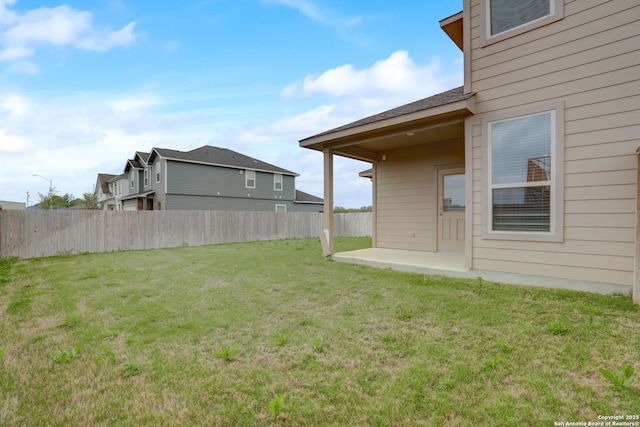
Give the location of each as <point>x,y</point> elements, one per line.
<point>521,173</point>
<point>508,14</point>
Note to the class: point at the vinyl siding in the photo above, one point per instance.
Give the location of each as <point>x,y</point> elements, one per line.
<point>202,187</point>
<point>590,60</point>
<point>195,179</point>
<point>191,202</point>
<point>406,195</point>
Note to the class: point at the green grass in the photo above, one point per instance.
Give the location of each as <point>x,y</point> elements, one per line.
<point>270,333</point>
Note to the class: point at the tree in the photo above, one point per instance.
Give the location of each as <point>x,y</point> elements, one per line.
<point>340,209</point>
<point>89,201</point>
<point>52,201</point>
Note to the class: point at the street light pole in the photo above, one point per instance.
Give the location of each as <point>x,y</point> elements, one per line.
<point>50,190</point>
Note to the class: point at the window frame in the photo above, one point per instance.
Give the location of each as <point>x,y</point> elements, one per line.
<point>158,173</point>
<point>276,181</point>
<point>486,38</point>
<point>281,206</point>
<point>247,172</point>
<point>146,177</point>
<point>556,209</point>
<point>132,178</point>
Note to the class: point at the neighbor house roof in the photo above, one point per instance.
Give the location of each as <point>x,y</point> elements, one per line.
<point>438,100</point>
<point>118,177</point>
<point>132,163</point>
<point>302,197</point>
<point>216,156</point>
<point>143,156</point>
<point>103,179</point>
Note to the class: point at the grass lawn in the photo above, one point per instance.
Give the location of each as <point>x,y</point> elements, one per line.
<point>270,333</point>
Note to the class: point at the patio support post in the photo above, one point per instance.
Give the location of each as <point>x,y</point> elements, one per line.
<point>636,272</point>
<point>326,236</point>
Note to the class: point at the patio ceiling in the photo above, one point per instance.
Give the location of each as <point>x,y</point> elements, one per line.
<point>370,138</point>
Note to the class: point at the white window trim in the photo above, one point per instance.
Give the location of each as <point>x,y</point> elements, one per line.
<point>158,173</point>
<point>281,206</point>
<point>146,177</point>
<point>557,13</point>
<point>556,211</point>
<point>246,178</point>
<point>132,178</point>
<point>275,182</point>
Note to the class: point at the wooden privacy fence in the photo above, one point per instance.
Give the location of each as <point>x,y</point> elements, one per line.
<point>38,233</point>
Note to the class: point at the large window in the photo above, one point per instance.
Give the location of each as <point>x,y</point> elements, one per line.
<point>506,18</point>
<point>524,176</point>
<point>250,179</point>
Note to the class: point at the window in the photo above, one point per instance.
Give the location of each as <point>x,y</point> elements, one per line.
<point>453,193</point>
<point>524,174</point>
<point>250,179</point>
<point>277,182</point>
<point>146,177</point>
<point>506,18</point>
<point>158,176</point>
<point>281,208</point>
<point>132,178</point>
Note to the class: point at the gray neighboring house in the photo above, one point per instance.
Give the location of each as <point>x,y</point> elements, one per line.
<point>104,196</point>
<point>207,178</point>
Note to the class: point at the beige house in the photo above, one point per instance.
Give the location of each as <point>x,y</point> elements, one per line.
<point>528,172</point>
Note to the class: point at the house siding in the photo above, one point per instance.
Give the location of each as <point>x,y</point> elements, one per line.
<point>204,187</point>
<point>189,202</point>
<point>195,179</point>
<point>590,60</point>
<point>405,196</point>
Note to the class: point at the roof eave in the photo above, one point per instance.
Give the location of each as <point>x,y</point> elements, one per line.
<point>453,27</point>
<point>464,106</point>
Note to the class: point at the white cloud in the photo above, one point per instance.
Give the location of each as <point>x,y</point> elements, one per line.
<point>11,143</point>
<point>15,52</point>
<point>394,75</point>
<point>16,105</point>
<point>58,26</point>
<point>343,25</point>
<point>125,104</point>
<point>305,7</point>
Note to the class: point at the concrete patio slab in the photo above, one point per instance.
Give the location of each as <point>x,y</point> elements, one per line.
<point>451,264</point>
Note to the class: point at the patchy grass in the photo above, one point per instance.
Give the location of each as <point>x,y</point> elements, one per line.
<point>270,333</point>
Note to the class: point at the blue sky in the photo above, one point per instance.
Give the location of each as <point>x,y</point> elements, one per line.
<point>85,84</point>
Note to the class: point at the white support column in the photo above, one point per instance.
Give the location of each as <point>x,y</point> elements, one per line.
<point>326,236</point>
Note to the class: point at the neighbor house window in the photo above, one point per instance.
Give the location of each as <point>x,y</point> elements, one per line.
<point>132,178</point>
<point>524,173</point>
<point>250,179</point>
<point>146,177</point>
<point>281,208</point>
<point>505,18</point>
<point>158,176</point>
<point>277,182</point>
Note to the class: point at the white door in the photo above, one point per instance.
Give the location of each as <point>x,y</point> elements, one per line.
<point>451,206</point>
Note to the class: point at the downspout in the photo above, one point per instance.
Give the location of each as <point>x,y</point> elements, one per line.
<point>636,272</point>
<point>326,236</point>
